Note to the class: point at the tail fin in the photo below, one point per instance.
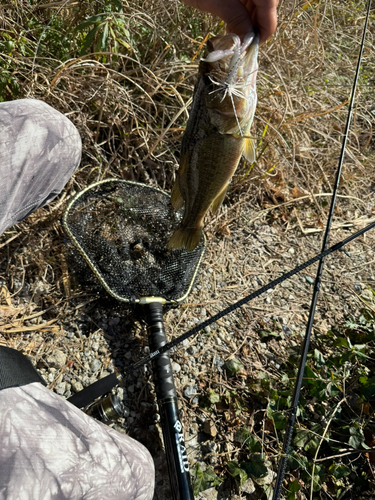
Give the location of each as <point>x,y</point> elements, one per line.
<point>188,238</point>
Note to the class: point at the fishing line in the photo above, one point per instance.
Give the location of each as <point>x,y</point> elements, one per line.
<point>305,347</point>
<point>97,389</point>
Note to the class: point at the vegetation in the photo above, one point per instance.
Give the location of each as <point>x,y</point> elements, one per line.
<point>124,72</point>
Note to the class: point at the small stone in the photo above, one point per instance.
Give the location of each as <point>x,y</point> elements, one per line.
<point>95,365</point>
<point>309,280</point>
<point>56,360</point>
<point>190,391</point>
<point>210,494</point>
<point>76,386</point>
<point>61,388</point>
<point>357,287</point>
<point>291,251</point>
<point>266,479</point>
<point>176,367</point>
<point>248,486</point>
<point>219,362</point>
<point>95,346</point>
<point>210,428</point>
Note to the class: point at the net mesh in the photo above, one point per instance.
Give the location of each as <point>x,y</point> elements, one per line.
<point>121,229</point>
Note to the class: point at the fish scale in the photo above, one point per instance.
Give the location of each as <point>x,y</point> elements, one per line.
<point>217,133</point>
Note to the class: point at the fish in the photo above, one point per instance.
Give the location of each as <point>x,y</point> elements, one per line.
<point>217,133</point>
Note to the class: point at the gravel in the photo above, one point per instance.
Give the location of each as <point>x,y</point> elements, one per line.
<point>90,336</point>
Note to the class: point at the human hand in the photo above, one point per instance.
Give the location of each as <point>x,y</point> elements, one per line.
<point>241,16</point>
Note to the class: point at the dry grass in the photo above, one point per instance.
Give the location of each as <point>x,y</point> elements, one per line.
<point>131,108</point>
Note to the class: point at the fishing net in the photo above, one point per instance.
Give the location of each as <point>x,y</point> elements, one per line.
<point>121,229</point>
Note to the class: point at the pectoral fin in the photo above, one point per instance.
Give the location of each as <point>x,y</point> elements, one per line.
<point>249,150</point>
<point>219,199</point>
<point>176,196</point>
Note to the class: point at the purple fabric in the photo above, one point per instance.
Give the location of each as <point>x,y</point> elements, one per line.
<point>49,449</point>
<point>39,151</point>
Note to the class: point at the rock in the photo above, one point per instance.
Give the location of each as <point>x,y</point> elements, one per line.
<point>190,391</point>
<point>60,388</point>
<point>176,367</point>
<point>248,486</point>
<point>210,428</point>
<point>56,360</point>
<point>210,494</point>
<point>76,385</point>
<point>309,280</point>
<point>219,362</point>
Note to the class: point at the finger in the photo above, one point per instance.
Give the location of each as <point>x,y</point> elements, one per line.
<point>264,17</point>
<point>233,12</point>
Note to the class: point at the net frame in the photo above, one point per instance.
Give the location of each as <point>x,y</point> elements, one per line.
<point>69,231</point>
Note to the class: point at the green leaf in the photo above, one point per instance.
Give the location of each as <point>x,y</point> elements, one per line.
<point>204,479</point>
<point>236,471</point>
<point>339,471</point>
<point>319,358</point>
<point>301,438</point>
<point>244,437</point>
<point>294,486</point>
<point>318,477</point>
<point>279,421</point>
<point>89,40</point>
<point>233,366</point>
<point>255,467</point>
<point>213,396</point>
<point>263,334</point>
<point>89,22</point>
<point>268,490</point>
<point>341,342</point>
<point>369,387</point>
<point>356,437</point>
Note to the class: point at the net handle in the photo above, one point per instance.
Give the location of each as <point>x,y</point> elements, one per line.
<point>175,450</point>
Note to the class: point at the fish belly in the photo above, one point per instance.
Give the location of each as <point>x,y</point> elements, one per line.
<point>202,183</point>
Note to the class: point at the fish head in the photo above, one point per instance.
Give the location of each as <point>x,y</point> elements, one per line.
<point>229,73</point>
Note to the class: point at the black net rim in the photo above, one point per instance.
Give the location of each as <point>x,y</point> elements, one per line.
<point>141,300</point>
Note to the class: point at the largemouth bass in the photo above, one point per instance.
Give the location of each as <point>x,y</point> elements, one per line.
<point>217,132</point>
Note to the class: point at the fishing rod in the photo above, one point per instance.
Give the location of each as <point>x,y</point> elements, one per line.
<point>104,385</point>
<point>314,299</point>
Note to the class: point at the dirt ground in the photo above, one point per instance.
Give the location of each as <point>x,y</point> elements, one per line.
<point>272,220</point>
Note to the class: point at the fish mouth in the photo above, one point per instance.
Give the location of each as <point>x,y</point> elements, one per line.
<point>232,63</point>
<point>231,52</point>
